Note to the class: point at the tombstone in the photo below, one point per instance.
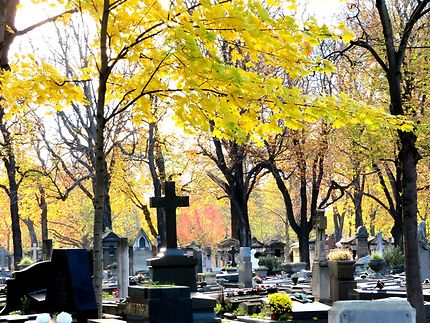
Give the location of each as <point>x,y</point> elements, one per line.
<point>123,267</point>
<point>223,257</point>
<point>385,310</point>
<point>380,243</point>
<point>46,249</point>
<point>254,261</point>
<point>110,246</point>
<point>159,305</point>
<point>207,260</point>
<point>140,251</point>
<point>320,271</point>
<point>423,251</point>
<point>70,287</point>
<point>4,258</point>
<point>245,267</point>
<point>172,266</point>
<point>194,251</point>
<point>63,284</point>
<point>35,252</point>
<point>362,244</point>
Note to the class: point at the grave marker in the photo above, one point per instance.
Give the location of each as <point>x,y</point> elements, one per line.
<point>320,272</point>
<point>172,266</point>
<point>170,202</point>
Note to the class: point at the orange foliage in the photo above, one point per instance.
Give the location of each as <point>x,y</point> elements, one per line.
<point>203,224</point>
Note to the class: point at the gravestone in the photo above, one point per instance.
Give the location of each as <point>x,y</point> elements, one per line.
<point>70,287</point>
<point>254,261</point>
<point>46,249</point>
<point>159,305</point>
<point>24,284</point>
<point>245,267</point>
<point>35,250</point>
<point>194,251</point>
<point>320,271</point>
<point>386,310</point>
<point>362,244</point>
<point>4,258</point>
<point>380,243</point>
<point>62,284</point>
<point>207,260</point>
<point>123,267</point>
<point>423,251</point>
<point>172,266</point>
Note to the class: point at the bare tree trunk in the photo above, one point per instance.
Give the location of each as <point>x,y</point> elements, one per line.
<point>99,198</point>
<point>41,201</point>
<point>31,231</point>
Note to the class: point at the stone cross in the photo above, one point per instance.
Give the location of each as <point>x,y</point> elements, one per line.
<point>170,202</point>
<point>320,227</point>
<point>35,249</point>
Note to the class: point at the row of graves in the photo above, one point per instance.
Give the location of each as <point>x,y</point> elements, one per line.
<point>174,291</point>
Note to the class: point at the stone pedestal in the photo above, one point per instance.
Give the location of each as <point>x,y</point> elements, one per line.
<point>159,305</point>
<point>388,310</point>
<point>203,309</point>
<point>321,281</point>
<point>123,267</point>
<point>173,269</point>
<point>341,279</point>
<point>245,267</point>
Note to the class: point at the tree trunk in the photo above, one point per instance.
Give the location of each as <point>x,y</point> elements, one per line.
<point>7,35</point>
<point>44,213</point>
<point>10,165</point>
<point>107,211</point>
<point>304,246</point>
<point>409,157</point>
<point>100,162</point>
<point>31,231</point>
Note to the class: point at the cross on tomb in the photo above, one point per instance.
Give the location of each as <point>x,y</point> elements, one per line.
<point>170,202</point>
<point>35,250</point>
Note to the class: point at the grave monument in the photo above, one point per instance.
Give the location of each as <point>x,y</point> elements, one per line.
<point>362,244</point>
<point>320,272</point>
<point>423,251</point>
<point>172,265</point>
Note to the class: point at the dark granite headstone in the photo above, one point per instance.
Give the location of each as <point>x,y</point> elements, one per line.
<point>29,282</point>
<point>70,286</point>
<point>159,305</point>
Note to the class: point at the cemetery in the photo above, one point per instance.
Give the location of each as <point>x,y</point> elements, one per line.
<point>178,288</point>
<point>205,161</point>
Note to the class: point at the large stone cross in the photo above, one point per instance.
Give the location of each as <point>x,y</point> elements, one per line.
<point>170,202</point>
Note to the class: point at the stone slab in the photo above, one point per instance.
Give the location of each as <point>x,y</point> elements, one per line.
<point>179,270</point>
<point>387,310</point>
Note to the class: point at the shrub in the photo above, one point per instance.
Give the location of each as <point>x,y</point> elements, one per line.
<point>340,254</point>
<point>26,261</point>
<point>376,256</point>
<point>279,303</point>
<point>272,263</point>
<point>393,257</point>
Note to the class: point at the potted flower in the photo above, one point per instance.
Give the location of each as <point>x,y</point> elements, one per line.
<point>340,264</point>
<point>376,263</point>
<point>280,306</point>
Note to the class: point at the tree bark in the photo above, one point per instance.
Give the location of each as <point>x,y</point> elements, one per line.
<point>44,213</point>
<point>100,161</point>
